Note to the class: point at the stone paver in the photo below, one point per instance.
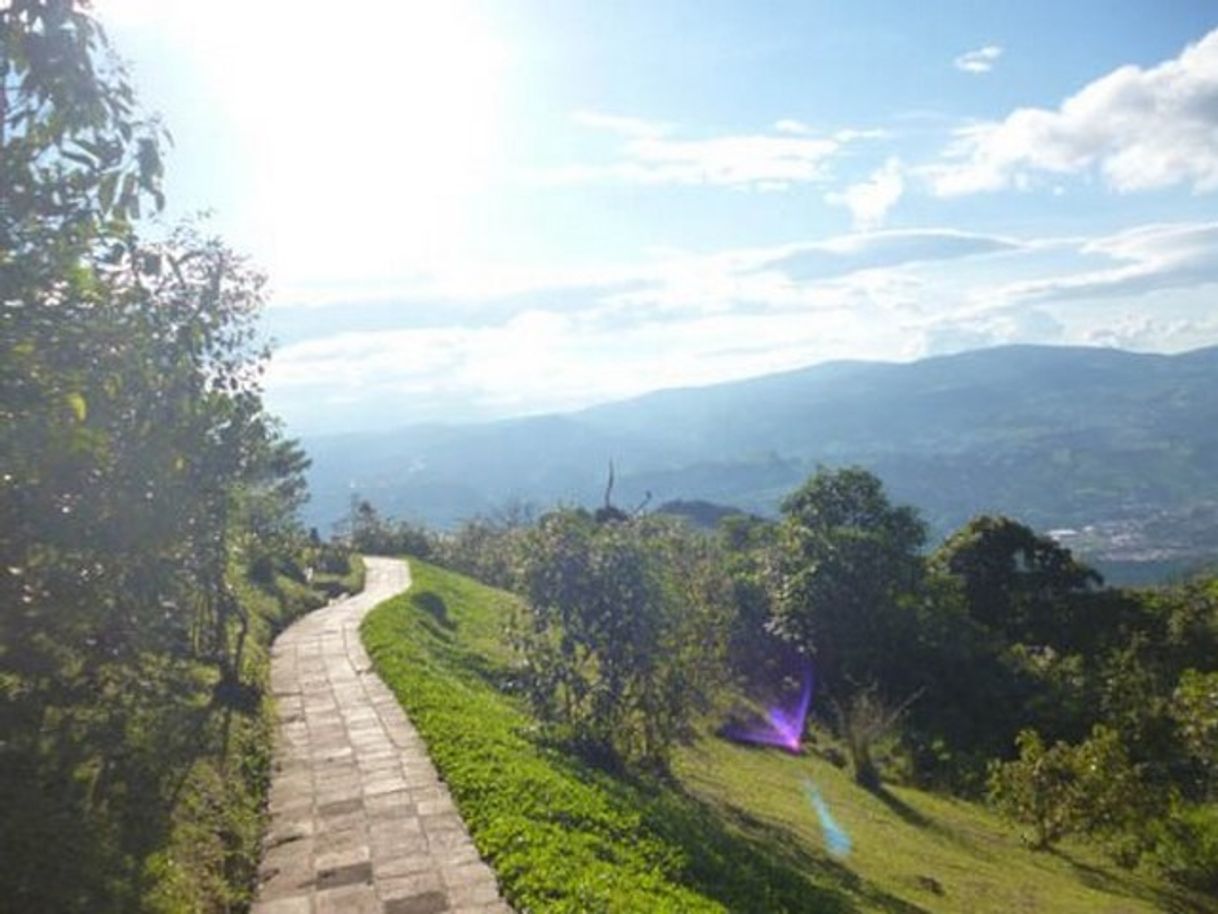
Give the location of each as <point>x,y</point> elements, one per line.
<point>360,820</point>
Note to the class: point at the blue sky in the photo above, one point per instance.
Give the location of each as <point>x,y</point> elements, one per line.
<point>478,209</point>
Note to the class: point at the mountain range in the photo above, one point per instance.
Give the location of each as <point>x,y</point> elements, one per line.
<point>1099,445</point>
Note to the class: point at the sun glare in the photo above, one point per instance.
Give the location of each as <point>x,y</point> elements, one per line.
<point>370,128</point>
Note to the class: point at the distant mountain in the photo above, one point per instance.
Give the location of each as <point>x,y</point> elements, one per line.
<point>1061,437</point>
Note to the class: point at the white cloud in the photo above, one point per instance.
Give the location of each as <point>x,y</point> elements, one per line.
<point>1141,331</point>
<point>790,125</point>
<point>1149,258</point>
<point>981,60</point>
<point>847,254</point>
<point>540,361</point>
<point>696,318</point>
<point>651,154</point>
<point>672,283</point>
<point>869,201</point>
<point>690,319</point>
<point>1012,325</point>
<point>1141,128</point>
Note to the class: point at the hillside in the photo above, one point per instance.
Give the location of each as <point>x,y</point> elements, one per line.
<point>733,831</point>
<point>1118,442</point>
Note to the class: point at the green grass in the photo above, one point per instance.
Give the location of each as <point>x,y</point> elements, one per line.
<point>146,792</point>
<point>934,852</point>
<point>212,846</point>
<point>732,832</point>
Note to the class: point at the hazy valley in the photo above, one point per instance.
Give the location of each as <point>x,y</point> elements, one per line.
<point>1117,450</point>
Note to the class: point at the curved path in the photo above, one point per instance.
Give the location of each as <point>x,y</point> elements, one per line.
<point>360,821</point>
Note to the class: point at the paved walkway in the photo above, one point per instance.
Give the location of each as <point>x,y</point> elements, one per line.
<point>360,821</point>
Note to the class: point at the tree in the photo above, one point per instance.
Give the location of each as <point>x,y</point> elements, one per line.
<point>1091,787</point>
<point>624,639</point>
<point>748,549</point>
<point>849,568</point>
<point>134,451</point>
<point>1017,583</point>
<point>863,720</point>
<point>377,535</point>
<point>1194,708</point>
<point>77,160</point>
<point>848,562</point>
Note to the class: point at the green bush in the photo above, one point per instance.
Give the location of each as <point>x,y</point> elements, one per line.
<point>483,549</point>
<point>625,632</point>
<point>1194,709</point>
<point>340,573</point>
<point>1057,790</point>
<point>1187,849</point>
<point>333,560</point>
<point>1035,789</point>
<point>372,534</point>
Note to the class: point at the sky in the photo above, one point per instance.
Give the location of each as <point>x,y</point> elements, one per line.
<point>473,209</point>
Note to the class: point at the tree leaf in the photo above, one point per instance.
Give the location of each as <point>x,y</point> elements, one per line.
<point>79,406</point>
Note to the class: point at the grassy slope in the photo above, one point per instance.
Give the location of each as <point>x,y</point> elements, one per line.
<point>734,833</point>
<point>209,856</point>
<point>935,852</point>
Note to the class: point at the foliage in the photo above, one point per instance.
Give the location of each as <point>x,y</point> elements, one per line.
<point>374,535</point>
<point>1012,633</point>
<point>623,633</point>
<point>1150,712</point>
<point>848,559</point>
<point>141,482</point>
<point>563,836</point>
<point>159,805</point>
<point>488,549</point>
<point>1060,789</point>
<point>700,513</point>
<point>749,556</point>
<point>864,719</point>
<point>1036,789</point>
<point>1187,846</point>
<point>338,572</point>
<point>1182,624</point>
<point>76,157</point>
<point>1014,581</point>
<point>999,630</point>
<point>1195,707</point>
<point>732,833</point>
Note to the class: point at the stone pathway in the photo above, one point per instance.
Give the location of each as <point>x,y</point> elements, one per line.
<point>360,821</point>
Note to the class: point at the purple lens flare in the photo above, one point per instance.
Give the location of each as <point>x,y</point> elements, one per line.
<point>783,724</point>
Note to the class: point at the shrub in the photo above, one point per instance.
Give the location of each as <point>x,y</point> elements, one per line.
<point>1091,787</point>
<point>1194,708</point>
<point>863,720</point>
<point>483,549</point>
<point>333,560</point>
<point>1035,789</point>
<point>1187,847</point>
<point>372,534</point>
<point>623,638</point>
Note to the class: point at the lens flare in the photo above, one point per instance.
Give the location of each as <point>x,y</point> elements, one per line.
<point>783,724</point>
<point>837,842</point>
